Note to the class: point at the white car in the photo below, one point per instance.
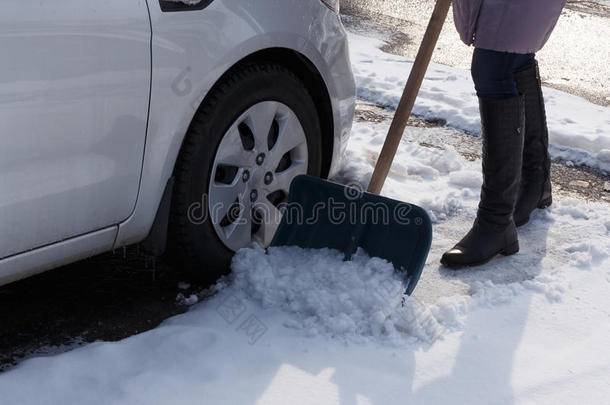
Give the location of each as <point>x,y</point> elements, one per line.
<point>150,121</point>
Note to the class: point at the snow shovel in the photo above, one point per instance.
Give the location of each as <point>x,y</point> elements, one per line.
<point>322,214</point>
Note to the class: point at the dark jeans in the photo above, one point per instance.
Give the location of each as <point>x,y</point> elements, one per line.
<point>492,72</point>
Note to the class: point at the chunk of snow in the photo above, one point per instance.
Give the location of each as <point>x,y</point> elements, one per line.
<point>466,178</point>
<point>190,300</point>
<point>324,294</point>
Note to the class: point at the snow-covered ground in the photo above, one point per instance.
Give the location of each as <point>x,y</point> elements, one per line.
<point>579,130</point>
<point>574,59</point>
<point>304,327</point>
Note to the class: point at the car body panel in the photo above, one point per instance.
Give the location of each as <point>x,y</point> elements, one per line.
<point>191,50</point>
<point>185,68</point>
<point>58,254</point>
<point>74,95</point>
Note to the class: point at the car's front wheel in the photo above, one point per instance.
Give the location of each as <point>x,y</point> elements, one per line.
<point>256,131</point>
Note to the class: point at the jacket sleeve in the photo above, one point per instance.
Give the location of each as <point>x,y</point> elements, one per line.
<point>465,16</point>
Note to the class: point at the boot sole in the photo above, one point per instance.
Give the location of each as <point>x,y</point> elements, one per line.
<point>507,251</point>
<point>541,205</point>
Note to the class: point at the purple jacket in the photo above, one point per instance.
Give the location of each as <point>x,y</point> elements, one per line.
<point>518,26</point>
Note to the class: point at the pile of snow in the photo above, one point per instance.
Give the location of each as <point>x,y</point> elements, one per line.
<point>579,130</point>
<point>323,294</point>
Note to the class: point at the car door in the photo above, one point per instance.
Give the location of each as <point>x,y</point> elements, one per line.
<point>74,94</point>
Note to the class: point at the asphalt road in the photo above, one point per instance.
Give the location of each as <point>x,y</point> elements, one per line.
<point>109,297</point>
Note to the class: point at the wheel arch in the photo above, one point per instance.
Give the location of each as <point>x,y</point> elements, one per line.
<point>307,72</point>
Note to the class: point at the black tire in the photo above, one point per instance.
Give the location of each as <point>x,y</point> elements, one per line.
<point>195,247</point>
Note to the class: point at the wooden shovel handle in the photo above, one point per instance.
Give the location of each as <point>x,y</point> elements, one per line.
<point>405,106</point>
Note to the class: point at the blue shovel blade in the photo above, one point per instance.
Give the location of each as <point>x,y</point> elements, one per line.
<point>321,214</point>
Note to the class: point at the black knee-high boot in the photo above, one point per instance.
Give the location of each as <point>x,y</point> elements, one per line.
<point>494,230</point>
<point>535,191</point>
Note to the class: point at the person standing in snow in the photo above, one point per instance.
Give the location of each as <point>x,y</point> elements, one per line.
<point>516,163</point>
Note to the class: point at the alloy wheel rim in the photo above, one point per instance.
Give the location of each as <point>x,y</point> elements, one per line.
<point>257,159</point>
